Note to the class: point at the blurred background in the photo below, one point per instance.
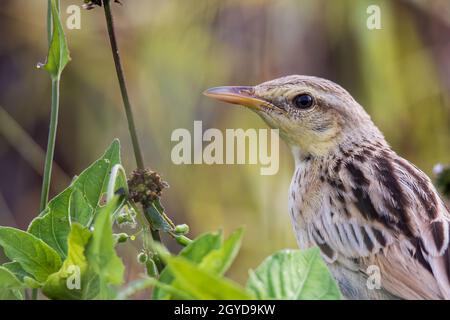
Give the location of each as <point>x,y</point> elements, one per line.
<point>174,49</point>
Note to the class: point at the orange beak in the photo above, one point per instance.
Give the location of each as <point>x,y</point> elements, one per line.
<point>243,96</point>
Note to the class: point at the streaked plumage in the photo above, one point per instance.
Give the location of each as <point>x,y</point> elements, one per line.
<point>353,196</point>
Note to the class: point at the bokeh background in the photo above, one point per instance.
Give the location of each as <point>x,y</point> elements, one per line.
<point>174,49</point>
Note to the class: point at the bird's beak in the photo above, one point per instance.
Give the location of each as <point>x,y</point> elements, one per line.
<point>243,96</point>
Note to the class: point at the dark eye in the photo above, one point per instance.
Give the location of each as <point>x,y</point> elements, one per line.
<point>303,101</point>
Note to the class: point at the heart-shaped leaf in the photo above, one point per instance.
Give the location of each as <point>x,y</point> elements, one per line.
<point>293,275</point>
<point>77,203</point>
<point>34,255</point>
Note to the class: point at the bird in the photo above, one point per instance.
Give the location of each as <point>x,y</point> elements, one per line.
<point>351,195</point>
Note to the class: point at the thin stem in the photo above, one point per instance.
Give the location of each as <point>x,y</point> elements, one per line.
<point>51,133</point>
<point>50,145</point>
<point>34,294</point>
<point>122,84</point>
<point>49,21</point>
<point>159,263</point>
<point>126,103</point>
<point>115,171</point>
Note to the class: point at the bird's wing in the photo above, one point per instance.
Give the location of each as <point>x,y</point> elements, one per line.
<point>388,213</point>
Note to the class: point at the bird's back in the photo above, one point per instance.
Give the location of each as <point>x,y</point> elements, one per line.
<point>366,206</point>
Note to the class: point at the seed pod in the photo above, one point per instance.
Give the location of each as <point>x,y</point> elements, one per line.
<point>121,237</point>
<point>142,257</point>
<point>182,229</point>
<point>124,218</point>
<point>183,240</point>
<point>152,270</point>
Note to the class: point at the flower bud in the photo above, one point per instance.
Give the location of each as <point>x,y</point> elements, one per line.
<point>121,237</point>
<point>152,270</point>
<point>142,257</point>
<point>124,218</point>
<point>182,229</point>
<point>183,240</point>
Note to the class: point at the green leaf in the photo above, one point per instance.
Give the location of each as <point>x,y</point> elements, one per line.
<point>15,268</point>
<point>10,286</point>
<point>74,280</point>
<point>8,280</point>
<point>201,246</point>
<point>142,284</point>
<point>80,209</point>
<point>294,275</point>
<point>194,252</point>
<point>219,260</point>
<point>34,255</point>
<point>58,53</point>
<point>31,283</point>
<point>54,225</point>
<point>204,285</point>
<point>93,182</point>
<point>77,203</point>
<point>100,252</point>
<point>155,213</point>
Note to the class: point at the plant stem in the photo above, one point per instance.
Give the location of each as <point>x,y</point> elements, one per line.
<point>159,263</point>
<point>50,144</point>
<point>122,84</point>
<point>49,21</point>
<point>34,294</point>
<point>126,103</point>
<point>51,132</point>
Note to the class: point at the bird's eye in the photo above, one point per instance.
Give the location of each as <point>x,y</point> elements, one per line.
<point>303,101</point>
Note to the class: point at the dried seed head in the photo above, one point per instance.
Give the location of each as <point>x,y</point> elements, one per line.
<point>145,186</point>
<point>90,4</point>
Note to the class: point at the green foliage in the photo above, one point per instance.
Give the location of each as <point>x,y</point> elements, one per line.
<point>197,273</point>
<point>194,252</point>
<point>100,251</point>
<point>58,52</point>
<point>34,255</point>
<point>17,270</point>
<point>62,233</point>
<point>293,275</point>
<point>154,213</point>
<point>93,256</point>
<point>69,253</point>
<point>78,202</point>
<point>10,286</point>
<point>219,260</point>
<point>75,264</point>
<point>204,285</point>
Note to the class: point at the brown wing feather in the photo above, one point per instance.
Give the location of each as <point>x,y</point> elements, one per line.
<point>406,225</point>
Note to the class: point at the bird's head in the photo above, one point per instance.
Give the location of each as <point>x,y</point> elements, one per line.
<point>312,114</point>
